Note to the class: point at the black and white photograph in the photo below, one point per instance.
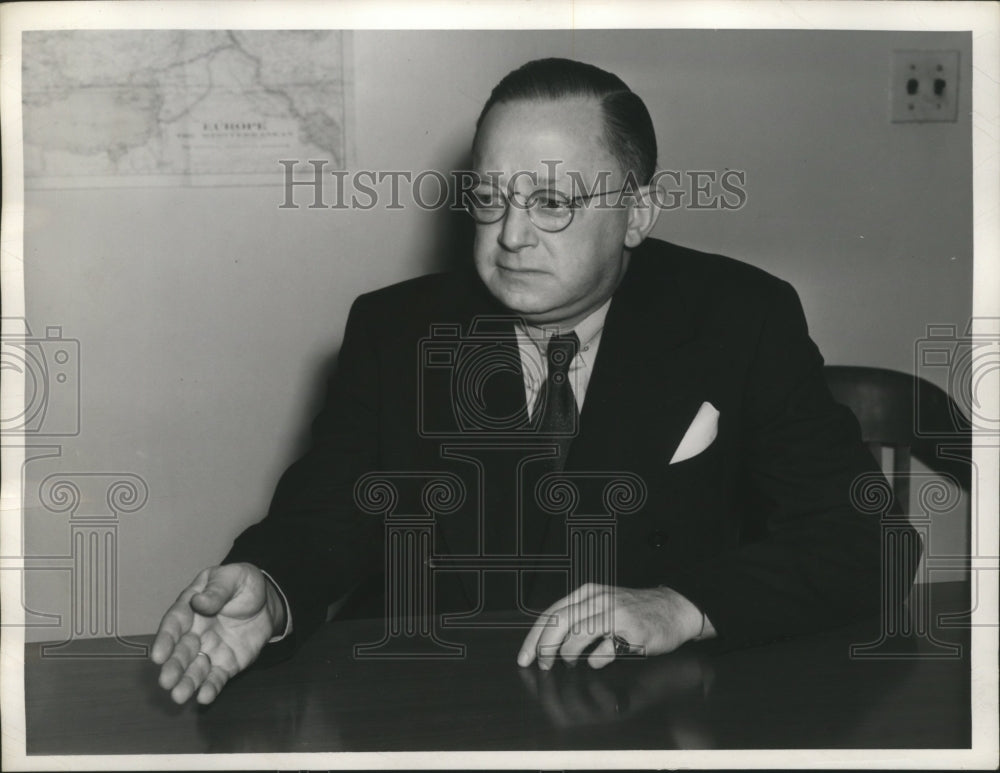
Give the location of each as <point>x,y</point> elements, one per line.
<point>535,385</point>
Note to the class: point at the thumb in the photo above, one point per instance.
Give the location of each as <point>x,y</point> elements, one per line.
<point>219,590</point>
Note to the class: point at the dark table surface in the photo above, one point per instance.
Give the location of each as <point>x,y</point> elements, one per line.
<point>806,693</point>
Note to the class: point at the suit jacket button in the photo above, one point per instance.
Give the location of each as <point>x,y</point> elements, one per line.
<point>658,539</point>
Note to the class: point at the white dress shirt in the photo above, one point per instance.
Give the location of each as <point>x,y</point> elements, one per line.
<point>533,342</point>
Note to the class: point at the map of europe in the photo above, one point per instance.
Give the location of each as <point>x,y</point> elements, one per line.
<point>135,107</point>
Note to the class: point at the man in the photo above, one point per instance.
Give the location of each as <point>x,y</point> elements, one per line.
<point>692,373</point>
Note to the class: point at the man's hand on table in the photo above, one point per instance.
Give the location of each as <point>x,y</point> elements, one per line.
<point>653,621</point>
<point>215,629</point>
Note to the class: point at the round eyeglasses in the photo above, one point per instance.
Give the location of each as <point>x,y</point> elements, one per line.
<point>550,211</point>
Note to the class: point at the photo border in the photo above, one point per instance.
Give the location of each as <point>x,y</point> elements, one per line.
<point>981,18</point>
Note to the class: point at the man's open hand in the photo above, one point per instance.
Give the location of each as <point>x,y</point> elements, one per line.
<point>652,620</point>
<point>215,629</point>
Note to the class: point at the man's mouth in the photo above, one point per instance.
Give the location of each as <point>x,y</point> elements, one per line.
<point>519,270</point>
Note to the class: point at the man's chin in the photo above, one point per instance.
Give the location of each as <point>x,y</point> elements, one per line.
<point>532,312</point>
<point>517,301</point>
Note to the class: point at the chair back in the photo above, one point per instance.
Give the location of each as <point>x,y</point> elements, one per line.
<point>908,414</point>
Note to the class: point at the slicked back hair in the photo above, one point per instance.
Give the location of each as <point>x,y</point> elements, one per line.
<point>628,129</point>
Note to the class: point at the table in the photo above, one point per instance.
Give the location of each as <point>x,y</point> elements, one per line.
<point>806,692</point>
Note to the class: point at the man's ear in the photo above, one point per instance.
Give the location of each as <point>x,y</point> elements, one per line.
<point>642,215</point>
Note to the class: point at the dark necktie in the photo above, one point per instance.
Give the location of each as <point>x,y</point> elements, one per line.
<point>559,416</point>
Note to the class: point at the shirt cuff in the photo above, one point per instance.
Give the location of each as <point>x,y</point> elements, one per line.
<point>288,609</point>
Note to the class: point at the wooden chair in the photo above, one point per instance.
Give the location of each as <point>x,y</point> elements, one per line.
<point>915,419</point>
<point>911,416</point>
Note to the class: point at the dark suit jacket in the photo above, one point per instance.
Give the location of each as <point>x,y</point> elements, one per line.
<point>758,530</point>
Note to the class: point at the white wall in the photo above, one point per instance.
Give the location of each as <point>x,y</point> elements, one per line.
<point>207,317</point>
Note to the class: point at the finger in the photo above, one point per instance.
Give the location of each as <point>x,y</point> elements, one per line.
<point>548,630</point>
<point>213,685</point>
<point>603,654</point>
<point>550,617</point>
<point>581,636</point>
<point>175,623</point>
<point>211,642</point>
<point>219,590</point>
<point>184,652</point>
<point>220,653</point>
<point>577,617</point>
<point>193,678</point>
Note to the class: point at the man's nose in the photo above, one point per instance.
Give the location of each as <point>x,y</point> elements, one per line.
<point>518,231</point>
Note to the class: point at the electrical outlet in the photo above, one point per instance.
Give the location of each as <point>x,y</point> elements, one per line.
<point>924,86</point>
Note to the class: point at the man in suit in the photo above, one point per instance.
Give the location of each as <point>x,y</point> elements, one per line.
<point>610,354</point>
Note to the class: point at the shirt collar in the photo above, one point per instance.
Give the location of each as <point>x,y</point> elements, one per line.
<point>587,330</point>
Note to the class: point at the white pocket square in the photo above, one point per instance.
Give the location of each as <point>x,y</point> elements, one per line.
<point>699,435</point>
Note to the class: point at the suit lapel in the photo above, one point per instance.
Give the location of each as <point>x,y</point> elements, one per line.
<point>646,374</point>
